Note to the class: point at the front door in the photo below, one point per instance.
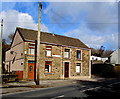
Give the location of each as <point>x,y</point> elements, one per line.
<point>30,69</point>
<point>66,74</point>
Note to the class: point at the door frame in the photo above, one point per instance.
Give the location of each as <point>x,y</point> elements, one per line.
<point>64,69</point>
<point>33,62</point>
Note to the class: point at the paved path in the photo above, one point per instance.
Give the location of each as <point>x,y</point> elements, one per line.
<point>30,85</point>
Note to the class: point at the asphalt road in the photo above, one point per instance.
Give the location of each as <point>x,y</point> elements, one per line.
<point>79,90</point>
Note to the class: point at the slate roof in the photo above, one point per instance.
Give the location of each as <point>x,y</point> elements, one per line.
<point>28,34</point>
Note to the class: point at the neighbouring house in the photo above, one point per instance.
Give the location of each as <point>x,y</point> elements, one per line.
<point>115,57</point>
<point>60,56</point>
<point>96,59</point>
<point>105,59</point>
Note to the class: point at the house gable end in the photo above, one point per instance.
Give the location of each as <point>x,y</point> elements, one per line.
<point>17,39</point>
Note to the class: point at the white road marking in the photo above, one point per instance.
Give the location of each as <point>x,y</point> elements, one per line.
<point>90,89</point>
<point>114,83</point>
<point>58,97</point>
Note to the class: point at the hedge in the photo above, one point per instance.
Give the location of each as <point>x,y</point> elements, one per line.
<point>104,70</point>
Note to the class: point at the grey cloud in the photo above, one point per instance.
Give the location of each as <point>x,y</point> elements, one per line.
<point>91,39</point>
<point>97,16</point>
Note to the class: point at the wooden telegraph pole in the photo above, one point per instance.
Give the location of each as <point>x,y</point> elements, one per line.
<point>38,46</point>
<point>1,46</point>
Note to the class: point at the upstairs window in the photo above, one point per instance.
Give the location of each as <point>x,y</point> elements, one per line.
<point>78,67</point>
<point>67,53</point>
<point>31,49</point>
<point>48,51</point>
<point>48,66</point>
<point>78,54</point>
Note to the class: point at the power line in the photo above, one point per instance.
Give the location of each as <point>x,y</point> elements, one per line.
<point>64,19</point>
<point>67,21</point>
<point>64,23</point>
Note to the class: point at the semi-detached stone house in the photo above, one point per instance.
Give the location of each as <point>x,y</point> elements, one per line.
<point>60,56</point>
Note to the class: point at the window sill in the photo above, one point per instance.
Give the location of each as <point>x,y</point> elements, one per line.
<point>31,55</point>
<point>66,58</point>
<point>49,57</point>
<point>79,59</point>
<point>78,72</point>
<point>47,73</point>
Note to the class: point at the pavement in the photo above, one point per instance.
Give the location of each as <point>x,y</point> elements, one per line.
<point>15,87</point>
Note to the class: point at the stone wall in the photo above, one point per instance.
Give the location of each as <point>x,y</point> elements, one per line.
<point>56,63</point>
<point>58,60</point>
<point>84,61</point>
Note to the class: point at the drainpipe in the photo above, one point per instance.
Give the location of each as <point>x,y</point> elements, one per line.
<point>89,64</point>
<point>62,75</point>
<point>12,52</point>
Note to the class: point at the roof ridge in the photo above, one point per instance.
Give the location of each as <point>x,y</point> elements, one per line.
<point>25,29</point>
<point>46,32</point>
<point>30,34</point>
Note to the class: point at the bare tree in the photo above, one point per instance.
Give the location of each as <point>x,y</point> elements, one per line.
<point>10,36</point>
<point>5,46</point>
<point>101,52</point>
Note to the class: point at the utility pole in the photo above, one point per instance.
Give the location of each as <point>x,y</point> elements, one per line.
<point>38,46</point>
<point>1,46</point>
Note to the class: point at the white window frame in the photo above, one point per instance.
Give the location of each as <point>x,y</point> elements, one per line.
<point>31,51</point>
<point>66,54</point>
<point>48,51</point>
<point>50,66</point>
<point>78,68</point>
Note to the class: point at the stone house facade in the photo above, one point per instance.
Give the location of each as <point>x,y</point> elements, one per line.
<point>60,56</point>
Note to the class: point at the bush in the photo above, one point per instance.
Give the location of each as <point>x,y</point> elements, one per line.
<point>103,70</point>
<point>117,70</point>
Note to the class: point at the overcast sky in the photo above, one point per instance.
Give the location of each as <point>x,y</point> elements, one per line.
<point>94,23</point>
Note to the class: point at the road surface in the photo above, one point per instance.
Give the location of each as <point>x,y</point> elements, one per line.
<point>78,89</point>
